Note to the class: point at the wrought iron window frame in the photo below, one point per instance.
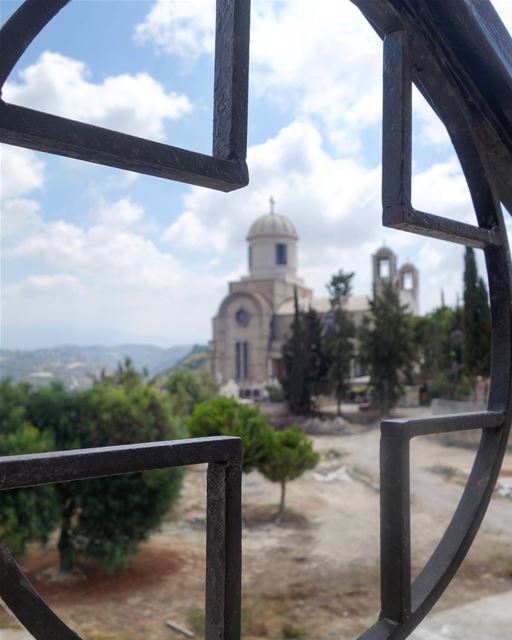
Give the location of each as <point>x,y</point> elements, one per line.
<point>225,169</point>
<point>459,55</point>
<point>223,521</point>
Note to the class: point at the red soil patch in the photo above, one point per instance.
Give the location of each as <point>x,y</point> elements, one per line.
<point>142,571</point>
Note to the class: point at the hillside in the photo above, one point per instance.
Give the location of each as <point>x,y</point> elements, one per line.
<point>75,366</point>
<point>193,361</point>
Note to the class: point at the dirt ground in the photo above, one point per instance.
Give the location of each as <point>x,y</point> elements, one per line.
<point>313,575</point>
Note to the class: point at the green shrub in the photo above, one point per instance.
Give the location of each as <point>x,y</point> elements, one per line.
<point>228,417</point>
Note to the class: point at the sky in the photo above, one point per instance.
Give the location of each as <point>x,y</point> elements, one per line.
<point>98,255</point>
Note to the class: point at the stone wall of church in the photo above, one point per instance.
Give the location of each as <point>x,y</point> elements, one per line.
<point>253,331</point>
<point>275,292</point>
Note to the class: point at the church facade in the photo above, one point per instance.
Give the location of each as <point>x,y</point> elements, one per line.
<point>254,318</point>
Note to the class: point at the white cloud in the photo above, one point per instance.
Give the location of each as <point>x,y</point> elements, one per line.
<point>135,104</point>
<point>335,206</point>
<point>427,127</point>
<point>107,275</point>
<point>320,60</point>
<point>121,214</point>
<point>21,170</point>
<point>42,285</point>
<point>189,232</point>
<point>504,8</point>
<point>21,173</point>
<point>442,190</point>
<point>183,28</point>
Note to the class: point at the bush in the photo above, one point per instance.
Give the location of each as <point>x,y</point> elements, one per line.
<point>227,417</point>
<point>187,389</point>
<point>25,514</point>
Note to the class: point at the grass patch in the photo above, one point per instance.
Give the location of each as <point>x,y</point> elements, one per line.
<point>291,632</point>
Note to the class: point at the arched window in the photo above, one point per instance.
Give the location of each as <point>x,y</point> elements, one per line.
<point>384,268</point>
<point>281,253</point>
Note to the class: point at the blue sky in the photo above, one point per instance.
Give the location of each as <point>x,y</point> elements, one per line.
<point>97,255</point>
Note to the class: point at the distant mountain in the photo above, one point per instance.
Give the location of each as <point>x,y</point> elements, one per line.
<point>75,366</point>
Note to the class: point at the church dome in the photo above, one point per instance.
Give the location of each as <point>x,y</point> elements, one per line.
<point>272,224</point>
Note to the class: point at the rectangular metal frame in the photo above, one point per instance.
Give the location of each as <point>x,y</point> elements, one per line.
<point>224,170</point>
<point>398,211</point>
<point>223,522</point>
<point>395,501</point>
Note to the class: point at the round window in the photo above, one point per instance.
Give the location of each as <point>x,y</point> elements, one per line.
<point>243,316</point>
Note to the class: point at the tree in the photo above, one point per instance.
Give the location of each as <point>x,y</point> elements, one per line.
<point>228,417</point>
<point>187,389</point>
<point>387,347</point>
<point>107,518</point>
<point>25,514</point>
<point>339,336</point>
<point>438,337</point>
<point>293,381</point>
<point>317,363</point>
<point>477,322</point>
<point>289,457</point>
<point>305,362</point>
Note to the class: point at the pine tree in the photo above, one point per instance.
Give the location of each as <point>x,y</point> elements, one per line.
<point>477,321</point>
<point>387,347</point>
<point>290,455</point>
<point>107,518</point>
<point>339,336</point>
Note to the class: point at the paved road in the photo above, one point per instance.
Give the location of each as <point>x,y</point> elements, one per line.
<point>13,634</point>
<point>485,619</point>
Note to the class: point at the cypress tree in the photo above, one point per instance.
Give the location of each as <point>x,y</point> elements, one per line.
<point>317,366</point>
<point>294,362</point>
<point>476,321</point>
<point>339,336</point>
<point>304,360</point>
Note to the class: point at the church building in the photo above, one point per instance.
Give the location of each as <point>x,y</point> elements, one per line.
<point>254,318</point>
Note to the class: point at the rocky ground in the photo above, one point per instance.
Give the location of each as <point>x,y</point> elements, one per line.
<point>312,575</point>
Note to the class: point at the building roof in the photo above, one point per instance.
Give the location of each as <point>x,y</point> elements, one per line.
<point>272,224</point>
<point>323,305</point>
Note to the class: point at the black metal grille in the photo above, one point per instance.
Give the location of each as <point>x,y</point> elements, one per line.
<point>459,56</point>
<point>223,521</point>
<point>420,46</point>
<point>224,170</point>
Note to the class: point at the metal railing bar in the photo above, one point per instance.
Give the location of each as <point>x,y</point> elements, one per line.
<point>21,28</point>
<point>21,598</point>
<point>215,551</point>
<point>406,218</point>
<point>233,567</point>
<point>397,121</point>
<point>231,79</point>
<point>395,529</point>
<point>398,212</point>
<point>454,545</point>
<point>32,129</point>
<point>412,427</point>
<point>81,464</point>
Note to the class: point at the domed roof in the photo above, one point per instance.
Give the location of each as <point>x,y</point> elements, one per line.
<point>272,224</point>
